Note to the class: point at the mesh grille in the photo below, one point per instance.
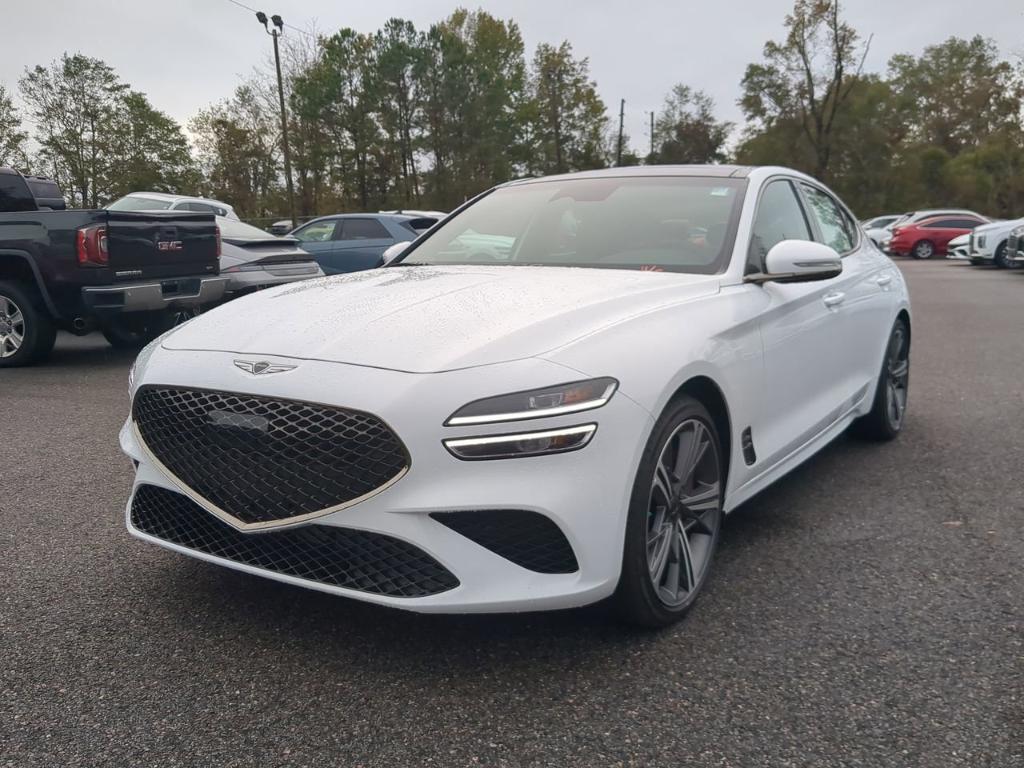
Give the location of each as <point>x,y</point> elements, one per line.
<point>528,539</point>
<point>262,459</point>
<point>341,557</point>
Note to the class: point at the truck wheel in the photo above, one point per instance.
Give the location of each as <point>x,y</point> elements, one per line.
<point>27,332</point>
<point>137,329</point>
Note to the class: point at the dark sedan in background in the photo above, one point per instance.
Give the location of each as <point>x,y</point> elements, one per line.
<point>351,242</point>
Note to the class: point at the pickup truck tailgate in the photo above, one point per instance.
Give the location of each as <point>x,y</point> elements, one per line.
<point>161,245</point>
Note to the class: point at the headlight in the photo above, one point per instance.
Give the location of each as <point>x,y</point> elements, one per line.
<point>536,403</point>
<point>522,444</point>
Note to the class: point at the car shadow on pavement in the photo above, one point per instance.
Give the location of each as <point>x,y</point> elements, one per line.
<point>91,352</point>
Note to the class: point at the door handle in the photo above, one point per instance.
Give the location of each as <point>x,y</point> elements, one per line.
<point>833,299</point>
<point>884,280</point>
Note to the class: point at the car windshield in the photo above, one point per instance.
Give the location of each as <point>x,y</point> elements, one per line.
<point>139,203</point>
<point>664,223</point>
<point>236,230</point>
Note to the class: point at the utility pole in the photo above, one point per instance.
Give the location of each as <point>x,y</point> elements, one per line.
<point>275,33</point>
<point>652,138</point>
<point>622,117</point>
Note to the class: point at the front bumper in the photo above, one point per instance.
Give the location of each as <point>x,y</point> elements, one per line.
<point>154,295</point>
<point>585,493</point>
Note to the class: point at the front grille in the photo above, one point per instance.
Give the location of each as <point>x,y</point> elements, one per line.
<point>262,459</point>
<point>528,539</point>
<point>340,557</point>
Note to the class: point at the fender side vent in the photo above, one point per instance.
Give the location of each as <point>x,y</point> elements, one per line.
<point>747,441</point>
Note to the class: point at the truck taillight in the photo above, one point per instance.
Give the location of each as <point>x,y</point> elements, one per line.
<point>92,246</point>
<point>218,241</point>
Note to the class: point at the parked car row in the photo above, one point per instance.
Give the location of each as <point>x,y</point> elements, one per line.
<point>151,260</point>
<point>953,233</point>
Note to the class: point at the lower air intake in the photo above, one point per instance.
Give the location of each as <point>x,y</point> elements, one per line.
<point>528,539</point>
<point>340,557</point>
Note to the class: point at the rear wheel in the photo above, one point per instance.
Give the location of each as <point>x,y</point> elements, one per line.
<point>885,419</point>
<point>27,332</point>
<point>923,249</point>
<point>674,518</point>
<point>136,329</point>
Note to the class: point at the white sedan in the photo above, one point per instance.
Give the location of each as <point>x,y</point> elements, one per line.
<point>565,424</point>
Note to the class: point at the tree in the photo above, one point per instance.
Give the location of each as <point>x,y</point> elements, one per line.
<point>686,131</point>
<point>806,80</point>
<point>338,89</point>
<point>12,138</point>
<point>567,118</point>
<point>151,150</point>
<point>74,105</point>
<point>238,148</point>
<point>987,94</point>
<point>398,51</point>
<point>473,81</point>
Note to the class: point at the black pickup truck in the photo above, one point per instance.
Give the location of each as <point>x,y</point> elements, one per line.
<point>123,273</point>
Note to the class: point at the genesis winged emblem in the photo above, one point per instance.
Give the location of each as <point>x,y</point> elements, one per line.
<point>262,367</point>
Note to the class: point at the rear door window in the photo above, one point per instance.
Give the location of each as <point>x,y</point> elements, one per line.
<point>363,229</point>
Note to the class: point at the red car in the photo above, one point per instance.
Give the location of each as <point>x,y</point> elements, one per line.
<point>929,237</point>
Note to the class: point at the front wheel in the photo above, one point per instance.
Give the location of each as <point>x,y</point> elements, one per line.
<point>135,330</point>
<point>1001,259</point>
<point>923,249</point>
<point>675,514</point>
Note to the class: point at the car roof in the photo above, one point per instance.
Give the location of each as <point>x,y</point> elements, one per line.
<point>714,171</point>
<point>387,216</point>
<point>175,198</point>
<point>947,214</point>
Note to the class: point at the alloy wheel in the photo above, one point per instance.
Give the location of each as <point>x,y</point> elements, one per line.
<point>924,250</point>
<point>12,327</point>
<point>897,368</point>
<point>684,512</point>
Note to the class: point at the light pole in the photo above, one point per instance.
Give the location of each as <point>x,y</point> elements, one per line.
<point>275,33</point>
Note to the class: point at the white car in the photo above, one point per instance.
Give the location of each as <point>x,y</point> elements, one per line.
<point>959,247</point>
<point>878,228</point>
<point>989,243</point>
<point>455,433</point>
<point>162,201</point>
<point>1015,245</point>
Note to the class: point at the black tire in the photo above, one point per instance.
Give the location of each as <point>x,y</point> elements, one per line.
<point>136,329</point>
<point>1000,259</point>
<point>885,420</point>
<point>923,249</point>
<point>640,597</point>
<point>27,332</point>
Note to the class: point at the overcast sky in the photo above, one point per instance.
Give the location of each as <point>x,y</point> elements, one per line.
<point>186,54</point>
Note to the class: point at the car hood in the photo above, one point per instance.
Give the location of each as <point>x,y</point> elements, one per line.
<point>426,319</point>
<point>998,227</point>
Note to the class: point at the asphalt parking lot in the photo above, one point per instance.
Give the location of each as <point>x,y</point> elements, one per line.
<point>866,611</point>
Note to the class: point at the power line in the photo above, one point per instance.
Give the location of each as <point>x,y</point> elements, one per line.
<point>290,26</point>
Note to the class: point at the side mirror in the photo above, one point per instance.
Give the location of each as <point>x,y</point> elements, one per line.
<point>394,252</point>
<point>798,261</point>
